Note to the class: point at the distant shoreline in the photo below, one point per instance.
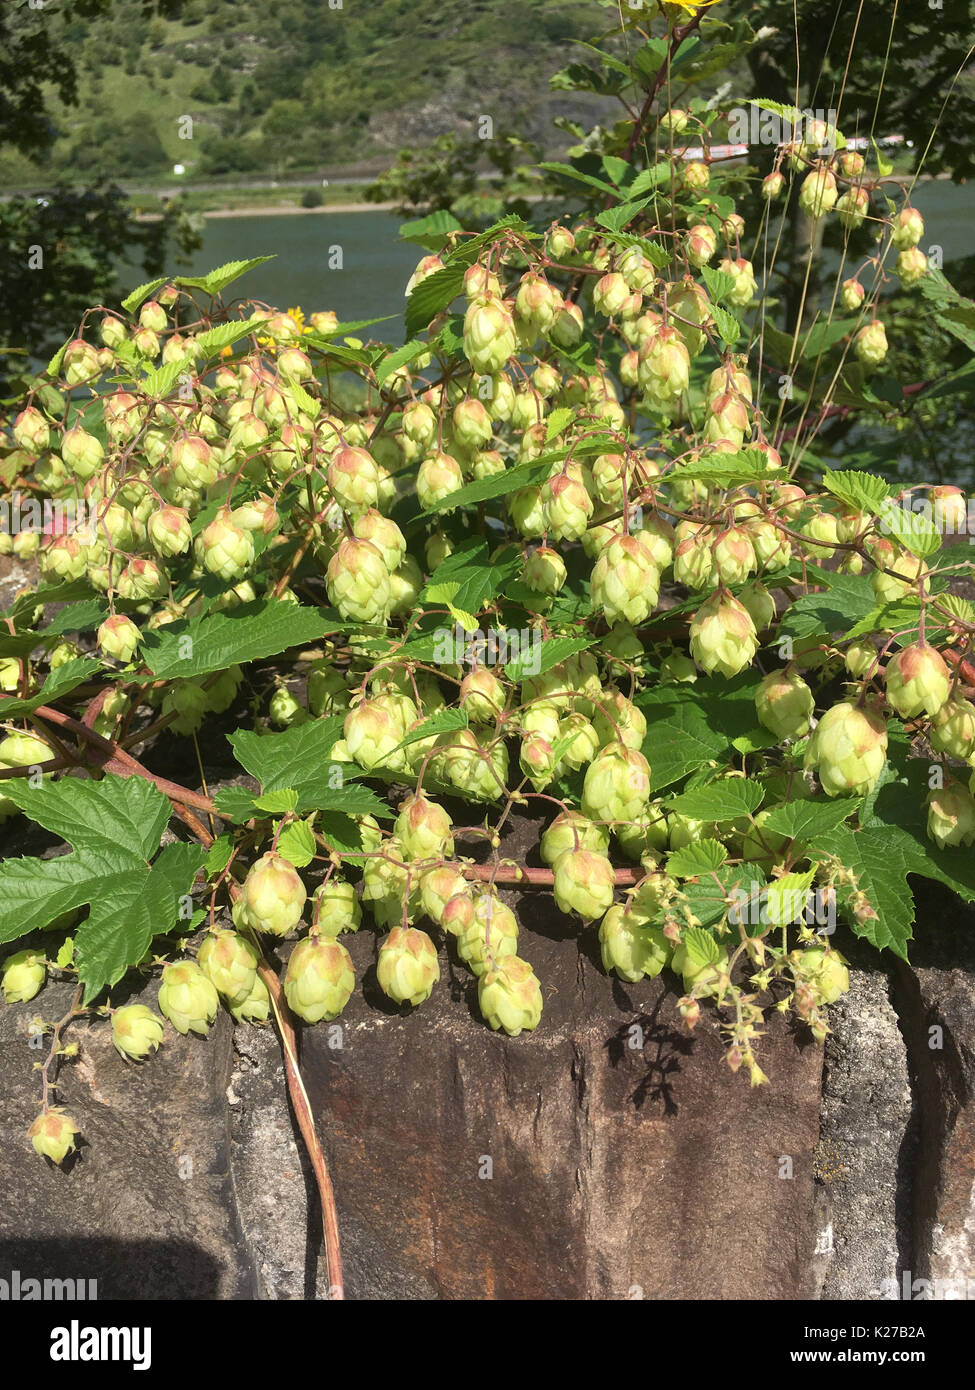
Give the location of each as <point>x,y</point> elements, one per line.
<point>276,210</point>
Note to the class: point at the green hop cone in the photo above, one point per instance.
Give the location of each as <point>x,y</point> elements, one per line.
<point>631,949</point>
<point>285,710</point>
<point>848,749</point>
<point>53,1134</point>
<point>490,339</point>
<point>23,975</point>
<point>319,980</point>
<point>916,680</point>
<point>625,581</point>
<point>912,266</point>
<point>784,704</point>
<point>510,997</point>
<point>617,784</point>
<point>488,935</point>
<point>227,549</point>
<point>119,637</point>
<point>327,691</point>
<point>825,970</point>
<point>951,815</point>
<point>358,582</point>
<point>584,883</point>
<point>423,829</point>
<point>256,1007</point>
<point>870,344</point>
<point>722,635</point>
<point>187,998</point>
<point>273,896</point>
<point>438,886</point>
<point>818,193</point>
<point>335,907</point>
<point>230,964</point>
<point>188,702</point>
<point>408,968</point>
<point>136,1031</point>
<point>571,830</point>
<point>953,729</point>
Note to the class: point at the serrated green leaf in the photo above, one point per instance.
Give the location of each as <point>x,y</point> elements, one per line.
<point>296,843</point>
<point>219,855</point>
<point>848,599</point>
<point>691,861</point>
<point>400,358</point>
<point>806,819</point>
<point>728,799</point>
<point>132,301</point>
<point>546,654</point>
<point>225,275</point>
<point>701,947</point>
<point>915,531</point>
<point>224,335</point>
<point>431,232</point>
<point>214,641</point>
<point>277,802</point>
<point>445,721</point>
<point>297,760</point>
<point>59,683</point>
<point>431,296</point>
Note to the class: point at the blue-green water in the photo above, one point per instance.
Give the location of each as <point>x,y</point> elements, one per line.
<point>375,263</point>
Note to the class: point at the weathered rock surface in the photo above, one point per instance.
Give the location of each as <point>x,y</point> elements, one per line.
<point>607,1155</point>
<point>146,1207</point>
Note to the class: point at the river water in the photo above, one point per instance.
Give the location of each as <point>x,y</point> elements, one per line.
<point>356,264</point>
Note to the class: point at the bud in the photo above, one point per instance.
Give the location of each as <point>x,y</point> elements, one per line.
<point>82,453</point>
<point>569,323</point>
<point>482,696</point>
<point>187,998</point>
<point>825,970</point>
<point>693,558</point>
<point>545,570</point>
<point>584,883</point>
<point>673,122</point>
<point>438,886</point>
<point>423,829</point>
<point>319,980</point>
<point>722,635</point>
<point>80,363</point>
<point>818,193</point>
<point>52,1134</point>
<point>632,950</point>
<point>407,968</point>
<point>510,996</point>
<point>758,604</point>
<point>230,964</point>
<point>784,704</point>
<point>136,1031</point>
<point>256,1007</point>
<point>111,331</point>
<point>119,637</point>
<point>664,366</point>
<point>375,728</point>
<point>193,462</point>
<point>772,185</point>
<point>625,581</point>
<point>696,175</point>
<point>745,288</point>
<point>560,243</point>
<point>870,344</point>
<point>916,679</point>
<point>701,244</point>
<point>617,785</point>
<point>734,555</point>
<point>851,295</point>
<point>358,582</point>
<point>951,815</point>
<point>609,293</point>
<point>952,729</point>
<point>848,749</point>
<point>489,336</point>
<point>912,266</point>
<point>169,531</point>
<point>23,975</point>
<point>907,229</point>
<point>427,267</point>
<point>488,933</point>
<point>567,507</point>
<point>273,896</point>
<point>852,207</point>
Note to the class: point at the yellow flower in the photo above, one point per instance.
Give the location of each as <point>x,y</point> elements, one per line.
<point>299,317</point>
<point>692,8</point>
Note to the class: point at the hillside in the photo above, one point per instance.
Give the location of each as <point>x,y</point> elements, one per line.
<point>300,86</point>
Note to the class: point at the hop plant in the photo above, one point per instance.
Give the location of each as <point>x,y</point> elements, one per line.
<point>848,749</point>
<point>617,784</point>
<point>358,582</point>
<point>24,973</point>
<point>584,883</point>
<point>951,815</point>
<point>319,979</point>
<point>272,897</point>
<point>489,934</point>
<point>953,729</point>
<point>632,949</point>
<point>722,635</point>
<point>784,704</point>
<point>187,998</point>
<point>136,1031</point>
<point>53,1134</point>
<point>625,581</point>
<point>916,680</point>
<point>423,829</point>
<point>510,997</point>
<point>230,964</point>
<point>407,969</point>
<point>335,907</point>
